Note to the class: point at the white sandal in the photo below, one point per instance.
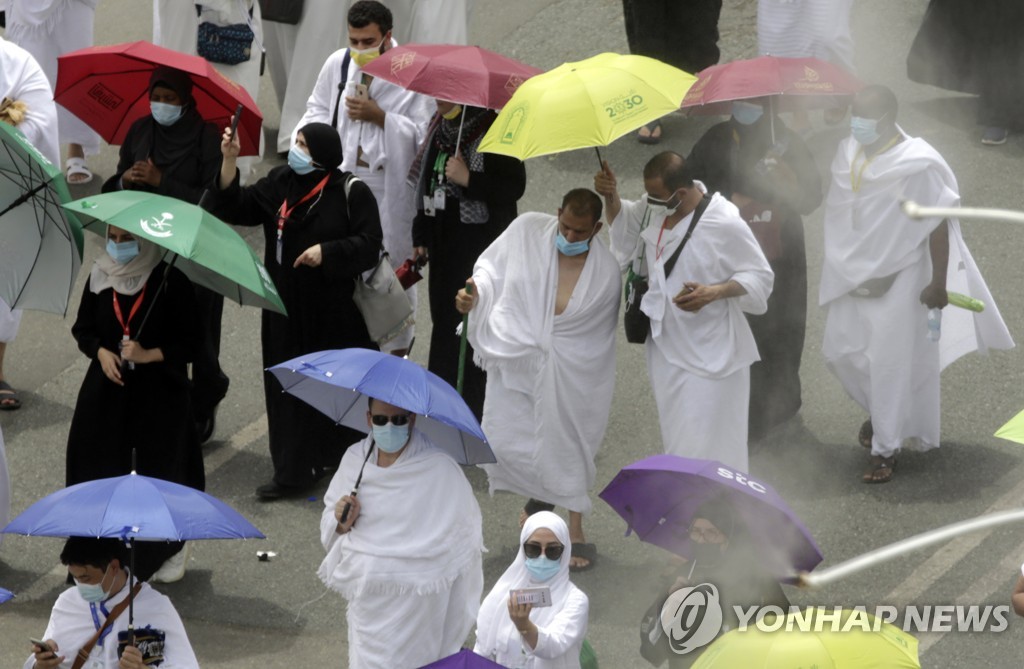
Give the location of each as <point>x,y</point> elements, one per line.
<point>77,166</point>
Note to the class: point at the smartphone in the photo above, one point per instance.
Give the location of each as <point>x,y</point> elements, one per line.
<point>234,124</point>
<point>362,92</point>
<point>539,597</point>
<point>40,644</point>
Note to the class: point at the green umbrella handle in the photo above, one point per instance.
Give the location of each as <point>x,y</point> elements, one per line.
<point>462,344</point>
<point>149,310</point>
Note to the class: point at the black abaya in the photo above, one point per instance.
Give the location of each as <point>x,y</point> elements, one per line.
<point>725,160</point>
<point>682,33</point>
<point>321,313</point>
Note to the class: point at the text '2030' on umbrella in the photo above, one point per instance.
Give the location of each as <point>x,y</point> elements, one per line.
<point>657,497</point>
<point>338,383</point>
<point>40,243</point>
<point>589,103</point>
<point>108,88</point>
<point>207,250</point>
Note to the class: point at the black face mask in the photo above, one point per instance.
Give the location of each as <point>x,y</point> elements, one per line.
<point>706,555</point>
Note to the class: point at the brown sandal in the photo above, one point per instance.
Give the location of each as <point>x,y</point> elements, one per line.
<point>867,432</point>
<point>881,469</point>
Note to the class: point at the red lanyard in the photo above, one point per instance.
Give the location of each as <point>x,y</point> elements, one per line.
<point>658,248</point>
<point>131,314</point>
<point>285,211</point>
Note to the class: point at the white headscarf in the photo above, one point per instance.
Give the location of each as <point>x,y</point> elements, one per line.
<point>129,278</point>
<point>494,627</point>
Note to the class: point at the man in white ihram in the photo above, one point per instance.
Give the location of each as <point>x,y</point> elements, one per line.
<point>882,274</point>
<point>544,309</point>
<point>381,126</point>
<point>408,555</point>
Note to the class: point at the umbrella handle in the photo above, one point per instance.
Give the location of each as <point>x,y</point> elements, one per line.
<point>149,310</point>
<point>462,345</point>
<point>348,507</point>
<point>600,161</point>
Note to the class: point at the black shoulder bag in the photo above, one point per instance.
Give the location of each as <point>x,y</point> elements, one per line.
<point>341,86</point>
<point>636,323</point>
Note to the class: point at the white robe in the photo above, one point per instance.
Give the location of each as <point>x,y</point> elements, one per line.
<point>51,28</point>
<point>411,567</point>
<point>561,627</point>
<point>175,26</point>
<point>806,28</point>
<point>295,54</point>
<point>895,376</point>
<point>550,377</point>
<point>71,626</point>
<point>388,153</point>
<point>699,363</point>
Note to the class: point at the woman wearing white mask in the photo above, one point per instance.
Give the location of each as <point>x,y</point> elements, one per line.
<point>318,239</point>
<point>525,636</point>
<point>135,395</point>
<point>174,152</point>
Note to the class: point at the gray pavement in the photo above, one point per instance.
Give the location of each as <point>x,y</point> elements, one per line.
<point>244,613</point>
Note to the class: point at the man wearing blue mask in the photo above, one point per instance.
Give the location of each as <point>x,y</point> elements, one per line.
<point>544,303</point>
<point>414,557</point>
<point>705,272</point>
<point>381,125</point>
<point>91,620</point>
<point>884,281</point>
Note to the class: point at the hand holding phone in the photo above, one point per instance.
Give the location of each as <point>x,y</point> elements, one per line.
<point>362,91</point>
<point>41,646</point>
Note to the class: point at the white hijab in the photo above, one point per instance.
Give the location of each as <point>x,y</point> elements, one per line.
<point>129,278</point>
<point>494,627</point>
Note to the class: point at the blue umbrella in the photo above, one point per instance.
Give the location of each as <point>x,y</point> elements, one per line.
<point>464,659</point>
<point>132,507</point>
<point>5,595</point>
<point>337,383</point>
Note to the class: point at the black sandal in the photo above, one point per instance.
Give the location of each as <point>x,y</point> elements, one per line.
<point>881,469</point>
<point>866,434</point>
<point>9,400</point>
<point>652,127</point>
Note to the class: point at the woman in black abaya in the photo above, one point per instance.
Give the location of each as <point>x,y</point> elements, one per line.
<point>317,242</point>
<point>174,152</point>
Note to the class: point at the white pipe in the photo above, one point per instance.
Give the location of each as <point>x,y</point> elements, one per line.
<point>914,210</point>
<point>824,577</point>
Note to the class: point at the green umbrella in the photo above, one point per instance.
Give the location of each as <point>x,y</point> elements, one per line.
<point>40,243</point>
<point>209,252</point>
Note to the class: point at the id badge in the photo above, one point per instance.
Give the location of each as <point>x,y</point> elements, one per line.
<point>428,206</point>
<point>439,199</point>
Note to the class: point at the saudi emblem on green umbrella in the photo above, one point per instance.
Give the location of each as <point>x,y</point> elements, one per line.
<point>209,252</point>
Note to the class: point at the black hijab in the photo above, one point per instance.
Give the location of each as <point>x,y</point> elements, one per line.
<point>324,144</point>
<point>169,145</point>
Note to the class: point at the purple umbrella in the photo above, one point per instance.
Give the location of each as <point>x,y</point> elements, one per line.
<point>5,595</point>
<point>464,659</point>
<point>658,496</point>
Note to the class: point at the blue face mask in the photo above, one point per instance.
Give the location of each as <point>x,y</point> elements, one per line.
<point>300,161</point>
<point>542,569</point>
<point>93,593</point>
<point>746,113</point>
<point>390,438</point>
<point>166,114</point>
<point>567,248</point>
<point>123,252</point>
<point>864,130</point>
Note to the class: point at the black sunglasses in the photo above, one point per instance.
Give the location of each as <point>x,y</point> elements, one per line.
<point>552,551</point>
<point>380,420</point>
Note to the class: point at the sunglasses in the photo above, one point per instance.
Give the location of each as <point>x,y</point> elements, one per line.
<point>552,551</point>
<point>380,420</point>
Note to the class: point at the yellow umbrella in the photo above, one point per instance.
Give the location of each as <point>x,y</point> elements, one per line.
<point>590,103</point>
<point>852,640</point>
<point>1013,430</point>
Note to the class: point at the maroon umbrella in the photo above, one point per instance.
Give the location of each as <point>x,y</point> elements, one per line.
<point>658,496</point>
<point>108,88</point>
<point>786,82</point>
<point>467,75</point>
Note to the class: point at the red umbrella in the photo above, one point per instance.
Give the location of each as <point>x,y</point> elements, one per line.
<point>108,88</point>
<point>815,83</point>
<point>468,75</point>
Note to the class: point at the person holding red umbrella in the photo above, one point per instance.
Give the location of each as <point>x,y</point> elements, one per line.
<point>174,152</point>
